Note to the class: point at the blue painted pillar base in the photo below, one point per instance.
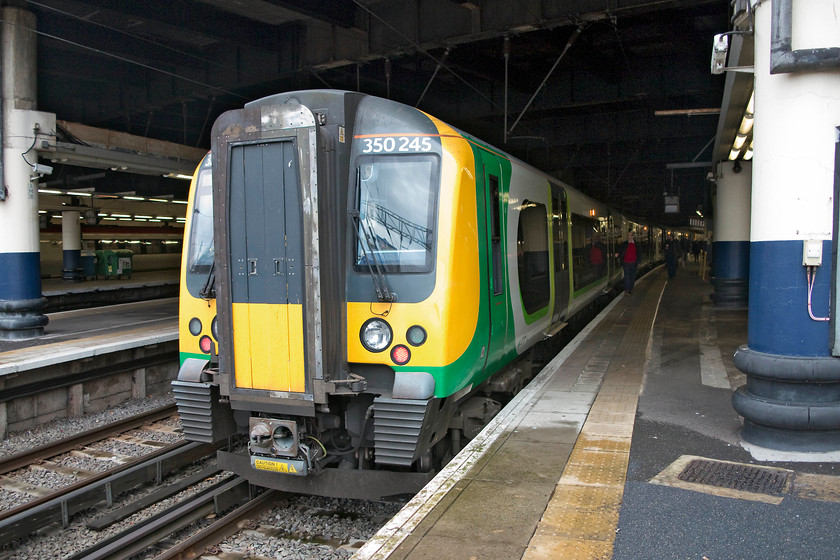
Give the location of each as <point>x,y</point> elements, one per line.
<point>731,293</point>
<point>731,274</point>
<point>790,403</point>
<point>72,270</point>
<point>22,319</point>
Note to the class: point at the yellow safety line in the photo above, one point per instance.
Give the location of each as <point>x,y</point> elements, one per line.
<point>581,519</point>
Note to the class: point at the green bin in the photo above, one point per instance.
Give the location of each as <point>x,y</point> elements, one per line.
<point>116,263</point>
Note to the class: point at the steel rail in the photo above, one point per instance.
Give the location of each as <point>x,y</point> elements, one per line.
<point>58,507</point>
<point>220,529</point>
<point>26,458</point>
<point>138,538</point>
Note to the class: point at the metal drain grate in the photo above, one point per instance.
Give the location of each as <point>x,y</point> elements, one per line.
<point>735,476</point>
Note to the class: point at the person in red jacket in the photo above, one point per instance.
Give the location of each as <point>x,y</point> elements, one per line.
<point>629,257</point>
<point>596,257</point>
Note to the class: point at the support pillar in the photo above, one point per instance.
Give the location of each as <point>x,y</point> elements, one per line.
<point>71,243</point>
<point>791,400</point>
<point>21,302</point>
<point>731,267</point>
<point>138,386</point>
<point>76,401</point>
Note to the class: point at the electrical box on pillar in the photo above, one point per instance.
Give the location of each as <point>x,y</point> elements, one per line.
<point>42,125</point>
<point>812,252</point>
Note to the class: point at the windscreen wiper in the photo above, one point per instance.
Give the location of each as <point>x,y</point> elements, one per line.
<point>383,294</point>
<point>208,291</point>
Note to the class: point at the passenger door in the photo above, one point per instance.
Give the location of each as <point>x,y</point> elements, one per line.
<point>497,273</point>
<point>560,248</point>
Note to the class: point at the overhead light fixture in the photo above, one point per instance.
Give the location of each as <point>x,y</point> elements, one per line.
<point>746,125</point>
<point>744,130</point>
<point>178,176</point>
<point>749,153</point>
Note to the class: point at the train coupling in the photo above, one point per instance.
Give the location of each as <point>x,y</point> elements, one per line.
<point>274,445</point>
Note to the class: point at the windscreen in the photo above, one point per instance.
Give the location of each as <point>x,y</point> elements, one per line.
<point>397,207</point>
<point>199,250</point>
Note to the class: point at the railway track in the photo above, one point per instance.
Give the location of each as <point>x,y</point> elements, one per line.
<point>79,489</point>
<point>229,493</point>
<point>23,459</point>
<point>173,502</point>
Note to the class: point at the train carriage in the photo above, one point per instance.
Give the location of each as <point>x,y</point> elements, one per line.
<point>377,275</point>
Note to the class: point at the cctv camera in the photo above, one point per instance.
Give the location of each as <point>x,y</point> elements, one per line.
<point>39,169</point>
<point>736,167</point>
<point>719,49</point>
<point>710,176</point>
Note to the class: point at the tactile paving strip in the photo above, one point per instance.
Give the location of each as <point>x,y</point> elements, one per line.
<point>581,519</point>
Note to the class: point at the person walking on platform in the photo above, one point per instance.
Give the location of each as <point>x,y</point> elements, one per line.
<point>673,252</point>
<point>628,256</point>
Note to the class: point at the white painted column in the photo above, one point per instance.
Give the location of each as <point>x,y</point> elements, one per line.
<point>71,244</point>
<point>731,270</point>
<point>792,397</point>
<point>21,301</point>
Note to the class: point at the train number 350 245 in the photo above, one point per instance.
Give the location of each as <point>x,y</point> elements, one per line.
<point>396,144</point>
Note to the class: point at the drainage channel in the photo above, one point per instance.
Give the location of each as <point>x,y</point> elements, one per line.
<point>743,481</point>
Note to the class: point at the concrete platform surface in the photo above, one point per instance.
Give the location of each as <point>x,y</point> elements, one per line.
<point>587,461</point>
<point>75,335</point>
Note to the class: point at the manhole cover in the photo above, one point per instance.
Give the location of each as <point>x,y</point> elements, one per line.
<point>735,476</point>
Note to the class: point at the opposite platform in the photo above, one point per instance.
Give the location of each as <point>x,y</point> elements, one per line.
<point>80,334</point>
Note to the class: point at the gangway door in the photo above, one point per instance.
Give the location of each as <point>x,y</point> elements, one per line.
<point>266,256</point>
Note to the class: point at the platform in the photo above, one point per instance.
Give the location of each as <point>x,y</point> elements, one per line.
<point>83,333</point>
<point>63,295</point>
<point>87,361</point>
<point>626,446</point>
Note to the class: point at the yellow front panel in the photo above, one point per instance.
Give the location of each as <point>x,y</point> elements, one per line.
<point>268,346</point>
<point>189,307</point>
<point>297,376</point>
<point>453,306</point>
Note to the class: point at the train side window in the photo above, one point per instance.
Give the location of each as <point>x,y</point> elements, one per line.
<point>496,236</point>
<point>532,256</point>
<point>588,251</point>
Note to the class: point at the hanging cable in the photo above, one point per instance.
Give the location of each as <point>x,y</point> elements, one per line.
<point>569,44</point>
<point>125,60</point>
<point>435,73</point>
<point>812,278</point>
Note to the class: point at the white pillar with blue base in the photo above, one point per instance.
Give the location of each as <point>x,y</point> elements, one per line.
<point>731,266</point>
<point>791,400</point>
<point>21,302</point>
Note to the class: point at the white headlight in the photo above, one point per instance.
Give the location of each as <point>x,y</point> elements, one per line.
<point>376,335</point>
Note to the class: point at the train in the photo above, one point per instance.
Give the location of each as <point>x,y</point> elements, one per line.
<point>363,286</point>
